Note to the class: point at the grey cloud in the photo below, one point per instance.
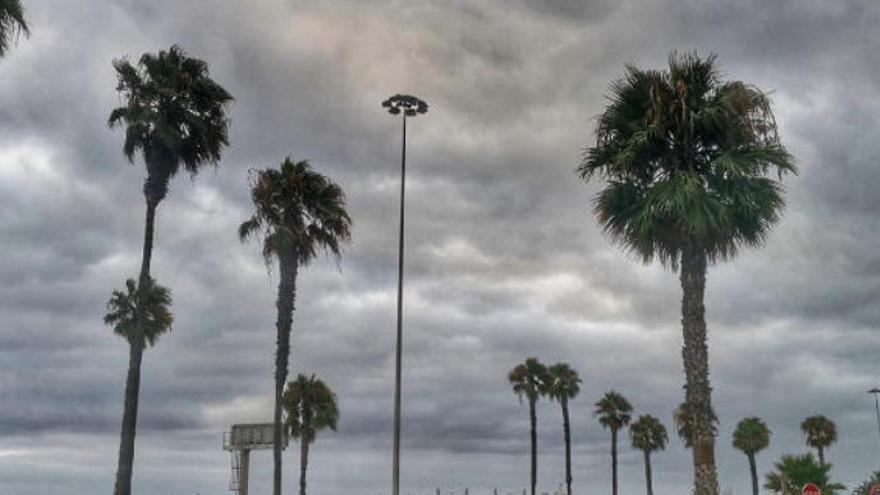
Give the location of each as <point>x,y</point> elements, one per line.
<point>504,258</point>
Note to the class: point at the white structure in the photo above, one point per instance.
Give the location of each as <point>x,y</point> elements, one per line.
<point>240,440</point>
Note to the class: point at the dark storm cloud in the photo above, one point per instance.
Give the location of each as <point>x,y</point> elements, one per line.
<point>504,258</point>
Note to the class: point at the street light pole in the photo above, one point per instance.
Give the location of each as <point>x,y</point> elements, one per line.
<point>407,106</point>
<point>874,391</point>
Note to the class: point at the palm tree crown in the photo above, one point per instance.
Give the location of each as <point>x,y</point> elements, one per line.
<point>298,211</point>
<point>122,312</point>
<point>310,407</point>
<point>174,114</point>
<point>751,436</point>
<point>648,434</point>
<point>683,426</point>
<point>529,379</point>
<point>688,160</point>
<point>12,23</point>
<point>613,410</point>
<point>563,382</point>
<point>791,473</point>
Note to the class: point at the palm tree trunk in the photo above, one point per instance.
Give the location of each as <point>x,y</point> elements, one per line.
<point>753,468</point>
<point>125,465</point>
<point>648,473</point>
<point>613,461</point>
<point>698,393</point>
<point>566,430</point>
<point>821,451</point>
<point>533,422</point>
<point>303,464</point>
<point>285,304</point>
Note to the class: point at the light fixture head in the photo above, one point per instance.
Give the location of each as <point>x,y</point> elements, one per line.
<point>409,105</point>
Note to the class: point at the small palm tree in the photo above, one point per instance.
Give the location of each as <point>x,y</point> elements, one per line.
<point>614,413</point>
<point>750,437</point>
<point>529,380</point>
<point>564,385</point>
<point>648,435</point>
<point>820,433</point>
<point>122,312</point>
<point>792,472</point>
<point>310,406</point>
<point>174,114</point>
<point>12,24</point>
<point>688,162</point>
<point>298,211</point>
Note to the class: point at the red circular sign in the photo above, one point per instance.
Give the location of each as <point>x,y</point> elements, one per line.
<point>811,489</point>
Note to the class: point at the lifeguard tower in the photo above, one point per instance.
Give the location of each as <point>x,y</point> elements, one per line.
<point>239,441</point>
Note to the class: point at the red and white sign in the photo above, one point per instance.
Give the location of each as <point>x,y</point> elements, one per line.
<point>875,490</point>
<point>811,489</point>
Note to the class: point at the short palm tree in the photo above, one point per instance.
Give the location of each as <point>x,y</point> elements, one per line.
<point>614,413</point>
<point>529,380</point>
<point>792,472</point>
<point>564,385</point>
<point>820,433</point>
<point>297,212</point>
<point>309,406</point>
<point>122,312</point>
<point>689,163</point>
<point>648,435</point>
<point>750,437</point>
<point>12,24</point>
<point>174,114</point>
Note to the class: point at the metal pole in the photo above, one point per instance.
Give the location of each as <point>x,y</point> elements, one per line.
<point>877,407</point>
<point>245,472</point>
<point>397,363</point>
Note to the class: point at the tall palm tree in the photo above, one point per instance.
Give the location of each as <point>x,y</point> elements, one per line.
<point>298,211</point>
<point>309,406</point>
<point>751,436</point>
<point>12,24</point>
<point>688,162</point>
<point>792,472</point>
<point>820,433</point>
<point>648,435</point>
<point>122,312</point>
<point>529,380</point>
<point>614,413</point>
<point>174,114</point>
<point>564,385</point>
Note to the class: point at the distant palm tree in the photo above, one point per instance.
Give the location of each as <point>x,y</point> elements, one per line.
<point>564,384</point>
<point>122,312</point>
<point>614,413</point>
<point>688,162</point>
<point>174,114</point>
<point>310,406</point>
<point>792,472</point>
<point>821,433</point>
<point>298,211</point>
<point>648,435</point>
<point>751,436</point>
<point>680,416</point>
<point>530,379</point>
<point>865,487</point>
<point>12,23</point>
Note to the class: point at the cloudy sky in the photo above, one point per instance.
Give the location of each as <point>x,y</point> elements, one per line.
<point>504,258</point>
